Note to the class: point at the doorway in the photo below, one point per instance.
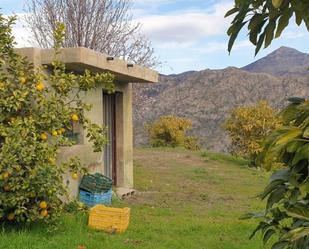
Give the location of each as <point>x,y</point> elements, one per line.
<point>109,121</point>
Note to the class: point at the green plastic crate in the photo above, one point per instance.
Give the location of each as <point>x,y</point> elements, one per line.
<point>95,183</point>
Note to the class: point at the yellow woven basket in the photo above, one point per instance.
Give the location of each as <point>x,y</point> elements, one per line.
<point>112,220</point>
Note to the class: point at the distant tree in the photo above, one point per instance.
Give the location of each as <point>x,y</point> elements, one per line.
<point>171,131</point>
<point>265,19</point>
<point>103,25</point>
<point>247,127</point>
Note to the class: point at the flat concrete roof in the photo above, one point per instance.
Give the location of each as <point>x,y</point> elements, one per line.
<point>78,59</point>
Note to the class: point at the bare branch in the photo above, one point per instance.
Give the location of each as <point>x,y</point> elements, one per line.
<point>103,25</point>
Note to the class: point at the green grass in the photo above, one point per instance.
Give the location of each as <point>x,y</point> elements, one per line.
<point>185,201</point>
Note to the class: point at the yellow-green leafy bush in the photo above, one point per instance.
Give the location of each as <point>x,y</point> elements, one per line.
<point>248,126</point>
<point>171,131</point>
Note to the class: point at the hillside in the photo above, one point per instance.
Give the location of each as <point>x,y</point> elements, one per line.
<point>207,96</point>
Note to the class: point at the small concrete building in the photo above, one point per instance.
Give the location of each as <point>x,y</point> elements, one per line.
<point>113,110</point>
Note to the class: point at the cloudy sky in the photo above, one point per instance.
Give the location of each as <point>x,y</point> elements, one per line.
<point>188,35</point>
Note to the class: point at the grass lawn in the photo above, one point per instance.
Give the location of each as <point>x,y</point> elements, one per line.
<point>186,200</point>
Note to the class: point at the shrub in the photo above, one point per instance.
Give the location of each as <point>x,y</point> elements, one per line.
<point>171,131</point>
<point>36,110</point>
<point>248,126</point>
<point>287,212</point>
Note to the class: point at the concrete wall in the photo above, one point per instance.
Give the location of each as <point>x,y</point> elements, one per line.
<point>124,139</point>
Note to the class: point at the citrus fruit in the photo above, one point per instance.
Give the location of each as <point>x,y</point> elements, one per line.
<point>43,204</point>
<point>40,86</point>
<point>74,117</point>
<point>74,176</point>
<point>44,213</point>
<point>55,133</point>
<point>44,136</point>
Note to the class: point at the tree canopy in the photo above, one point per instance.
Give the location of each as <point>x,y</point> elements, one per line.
<point>265,19</point>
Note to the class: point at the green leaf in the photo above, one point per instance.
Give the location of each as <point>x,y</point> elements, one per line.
<point>299,213</point>
<point>276,196</point>
<point>289,136</point>
<point>259,43</point>
<point>236,28</point>
<point>283,22</point>
<point>231,12</point>
<point>268,234</point>
<point>283,175</point>
<point>280,245</point>
<point>306,133</point>
<point>301,154</point>
<point>269,31</point>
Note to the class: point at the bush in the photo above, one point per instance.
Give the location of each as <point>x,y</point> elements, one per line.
<point>36,110</point>
<point>171,131</point>
<point>248,126</point>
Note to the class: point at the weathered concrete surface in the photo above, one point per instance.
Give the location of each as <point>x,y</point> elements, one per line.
<point>77,60</point>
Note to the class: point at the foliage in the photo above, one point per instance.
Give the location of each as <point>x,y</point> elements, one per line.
<point>265,19</point>
<point>248,126</point>
<point>171,131</point>
<point>287,212</point>
<point>36,111</point>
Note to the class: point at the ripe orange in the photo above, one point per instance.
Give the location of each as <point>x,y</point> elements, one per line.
<point>40,86</point>
<point>43,204</point>
<point>44,136</point>
<point>11,216</point>
<point>74,176</point>
<point>55,133</point>
<point>22,80</point>
<point>74,117</point>
<point>44,213</point>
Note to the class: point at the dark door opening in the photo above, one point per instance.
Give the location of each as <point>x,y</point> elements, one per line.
<point>109,120</point>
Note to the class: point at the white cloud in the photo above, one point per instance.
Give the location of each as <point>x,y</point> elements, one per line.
<point>20,31</point>
<point>183,27</point>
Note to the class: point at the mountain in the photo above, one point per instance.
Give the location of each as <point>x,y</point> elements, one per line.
<point>284,61</point>
<point>206,97</point>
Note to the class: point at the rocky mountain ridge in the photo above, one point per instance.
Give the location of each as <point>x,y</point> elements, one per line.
<point>206,97</point>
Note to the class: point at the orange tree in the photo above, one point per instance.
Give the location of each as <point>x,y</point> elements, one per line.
<point>37,109</point>
<point>247,127</point>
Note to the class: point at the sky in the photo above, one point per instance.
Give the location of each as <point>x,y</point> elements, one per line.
<point>187,35</point>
